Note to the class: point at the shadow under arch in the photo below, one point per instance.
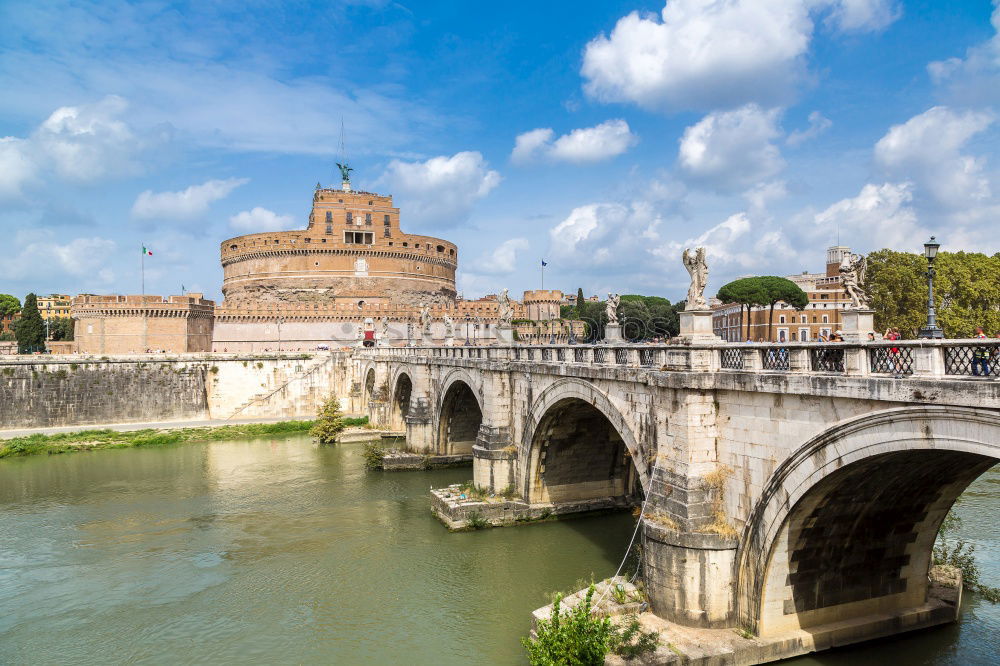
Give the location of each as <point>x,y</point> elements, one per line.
<point>459,418</point>
<point>845,526</point>
<point>573,399</point>
<point>401,392</point>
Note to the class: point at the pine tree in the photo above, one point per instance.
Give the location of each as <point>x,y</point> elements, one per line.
<point>30,329</point>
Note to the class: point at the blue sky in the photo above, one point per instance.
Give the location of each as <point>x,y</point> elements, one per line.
<point>604,137</point>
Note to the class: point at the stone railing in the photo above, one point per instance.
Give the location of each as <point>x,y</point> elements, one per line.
<point>899,359</point>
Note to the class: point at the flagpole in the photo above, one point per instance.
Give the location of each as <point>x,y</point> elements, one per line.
<point>543,276</point>
<point>142,268</point>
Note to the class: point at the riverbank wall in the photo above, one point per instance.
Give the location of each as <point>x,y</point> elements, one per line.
<point>38,391</point>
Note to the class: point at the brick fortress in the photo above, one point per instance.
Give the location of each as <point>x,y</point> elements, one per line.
<point>351,269</point>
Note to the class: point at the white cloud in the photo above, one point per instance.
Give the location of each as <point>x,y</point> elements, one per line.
<point>503,259</point>
<point>587,144</point>
<point>186,204</point>
<point>39,256</point>
<point>974,79</point>
<point>261,219</point>
<point>880,216</point>
<point>927,149</point>
<point>83,143</point>
<point>818,124</point>
<point>699,55</point>
<point>605,234</point>
<point>863,15</point>
<point>732,150</point>
<point>441,190</point>
<point>761,195</point>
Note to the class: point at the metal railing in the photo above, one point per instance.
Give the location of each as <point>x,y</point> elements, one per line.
<point>896,359</point>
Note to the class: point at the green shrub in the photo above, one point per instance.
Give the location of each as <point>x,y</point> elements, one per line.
<point>476,521</point>
<point>576,636</point>
<point>373,452</point>
<point>329,422</point>
<point>962,555</point>
<point>510,492</point>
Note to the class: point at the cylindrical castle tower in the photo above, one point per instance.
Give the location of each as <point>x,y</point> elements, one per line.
<point>352,251</point>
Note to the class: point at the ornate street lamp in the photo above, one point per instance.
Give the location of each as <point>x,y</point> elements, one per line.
<point>931,330</point>
<point>468,320</point>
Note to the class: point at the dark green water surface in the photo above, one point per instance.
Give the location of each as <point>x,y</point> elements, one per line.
<point>279,551</point>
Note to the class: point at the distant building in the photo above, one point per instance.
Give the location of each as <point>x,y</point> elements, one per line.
<point>136,324</point>
<point>54,306</point>
<point>821,317</point>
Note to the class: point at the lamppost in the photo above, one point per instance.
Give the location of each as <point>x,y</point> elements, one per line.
<point>281,321</point>
<point>409,330</point>
<point>475,331</point>
<point>468,321</point>
<point>931,330</point>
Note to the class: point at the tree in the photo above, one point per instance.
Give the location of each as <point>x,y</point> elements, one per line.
<point>966,291</point>
<point>9,305</point>
<point>781,290</point>
<point>29,329</point>
<point>748,292</point>
<point>329,422</point>
<point>61,328</point>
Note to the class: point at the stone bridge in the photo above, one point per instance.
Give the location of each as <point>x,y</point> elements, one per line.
<point>790,488</point>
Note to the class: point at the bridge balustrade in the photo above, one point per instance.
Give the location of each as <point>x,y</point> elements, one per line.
<point>732,359</point>
<point>600,353</point>
<point>621,355</point>
<point>775,358</point>
<point>580,355</point>
<point>976,360</point>
<point>891,360</point>
<point>827,359</point>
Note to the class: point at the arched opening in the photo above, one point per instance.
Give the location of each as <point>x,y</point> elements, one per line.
<point>844,529</point>
<point>859,542</point>
<point>369,386</point>
<point>401,401</point>
<point>578,455</point>
<point>461,417</point>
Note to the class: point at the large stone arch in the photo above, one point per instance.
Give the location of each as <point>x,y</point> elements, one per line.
<point>560,393</point>
<point>399,401</point>
<point>845,526</point>
<point>460,411</point>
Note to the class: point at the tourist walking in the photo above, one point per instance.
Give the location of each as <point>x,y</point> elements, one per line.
<point>893,354</point>
<point>980,356</point>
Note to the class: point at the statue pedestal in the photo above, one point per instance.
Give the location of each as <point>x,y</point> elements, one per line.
<point>449,341</point>
<point>613,334</point>
<point>505,335</point>
<point>696,327</point>
<point>857,324</point>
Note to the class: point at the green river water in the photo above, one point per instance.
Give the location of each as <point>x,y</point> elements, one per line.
<point>281,551</point>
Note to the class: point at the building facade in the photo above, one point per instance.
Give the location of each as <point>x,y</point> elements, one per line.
<point>138,324</point>
<point>820,318</point>
<point>55,306</point>
<point>352,252</point>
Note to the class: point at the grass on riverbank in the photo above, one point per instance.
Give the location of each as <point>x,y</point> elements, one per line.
<point>89,440</point>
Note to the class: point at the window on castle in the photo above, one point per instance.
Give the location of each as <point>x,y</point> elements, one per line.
<point>826,319</point>
<point>329,217</point>
<point>359,237</point>
<point>386,233</point>
<point>385,221</point>
<point>368,218</point>
<point>440,248</point>
<point>329,228</point>
<point>232,247</point>
<point>350,217</point>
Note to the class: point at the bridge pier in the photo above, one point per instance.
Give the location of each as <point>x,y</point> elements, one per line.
<point>494,459</point>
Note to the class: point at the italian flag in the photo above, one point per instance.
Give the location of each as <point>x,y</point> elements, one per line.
<point>148,253</point>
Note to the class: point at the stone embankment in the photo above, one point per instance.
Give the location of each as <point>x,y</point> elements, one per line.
<point>457,508</point>
<point>43,391</point>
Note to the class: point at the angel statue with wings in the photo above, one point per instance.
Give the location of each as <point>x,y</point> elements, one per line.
<point>852,276</point>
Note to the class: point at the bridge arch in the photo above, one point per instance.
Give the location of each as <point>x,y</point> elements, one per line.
<point>845,526</point>
<point>577,445</point>
<point>402,390</point>
<point>460,413</point>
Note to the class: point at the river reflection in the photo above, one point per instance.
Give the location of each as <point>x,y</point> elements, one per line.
<point>279,551</point>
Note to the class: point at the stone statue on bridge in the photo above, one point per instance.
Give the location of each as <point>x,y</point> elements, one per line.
<point>384,333</point>
<point>852,276</point>
<point>505,313</point>
<point>611,309</point>
<point>449,327</point>
<point>425,321</point>
<point>697,268</point>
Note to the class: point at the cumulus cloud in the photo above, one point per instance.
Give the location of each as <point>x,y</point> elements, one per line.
<point>83,144</point>
<point>882,215</point>
<point>38,255</point>
<point>927,150</point>
<point>818,124</point>
<point>261,219</point>
<point>732,150</point>
<point>186,204</point>
<point>604,234</point>
<point>974,79</point>
<point>699,55</point>
<point>443,189</point>
<point>588,144</point>
<point>503,259</point>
